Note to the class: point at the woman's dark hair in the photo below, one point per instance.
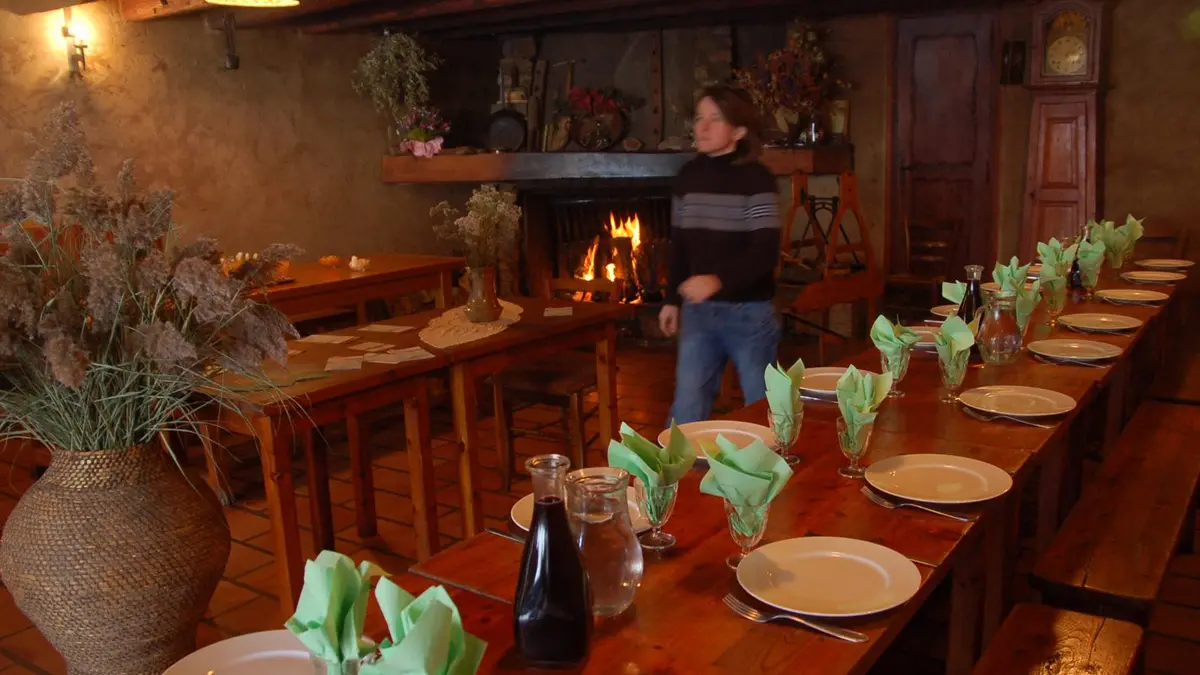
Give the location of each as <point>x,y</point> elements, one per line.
<point>738,110</point>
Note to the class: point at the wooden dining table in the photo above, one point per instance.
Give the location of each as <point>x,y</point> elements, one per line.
<point>678,623</point>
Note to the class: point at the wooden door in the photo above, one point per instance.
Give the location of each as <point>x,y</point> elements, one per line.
<point>1061,176</point>
<point>945,134</point>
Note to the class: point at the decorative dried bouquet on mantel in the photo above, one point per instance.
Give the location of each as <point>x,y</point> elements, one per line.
<point>105,337</point>
<point>487,232</point>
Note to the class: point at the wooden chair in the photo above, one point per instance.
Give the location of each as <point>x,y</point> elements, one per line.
<point>561,382</point>
<point>1163,244</point>
<point>1111,555</point>
<point>929,250</point>
<point>1036,639</point>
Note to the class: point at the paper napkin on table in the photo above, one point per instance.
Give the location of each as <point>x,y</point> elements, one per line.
<point>890,338</point>
<point>859,395</point>
<point>952,339</point>
<point>654,466</point>
<point>749,478</point>
<point>320,338</point>
<point>783,396</point>
<point>1056,260</point>
<point>1027,300</point>
<point>954,291</point>
<point>333,605</point>
<point>344,363</point>
<point>1116,240</point>
<point>370,347</point>
<point>1011,277</point>
<point>426,635</point>
<point>1133,231</point>
<point>1090,255</point>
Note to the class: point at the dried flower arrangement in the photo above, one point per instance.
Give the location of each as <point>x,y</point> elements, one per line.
<point>105,338</point>
<point>487,231</point>
<point>393,74</point>
<point>423,123</point>
<point>794,81</point>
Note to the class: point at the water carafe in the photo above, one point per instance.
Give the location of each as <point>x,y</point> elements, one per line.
<point>598,502</point>
<point>552,612</point>
<point>999,337</point>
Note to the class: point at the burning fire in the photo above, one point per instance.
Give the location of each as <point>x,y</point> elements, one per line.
<point>610,271</point>
<point>629,229</point>
<point>587,267</point>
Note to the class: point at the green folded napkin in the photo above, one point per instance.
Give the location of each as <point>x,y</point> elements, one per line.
<point>333,605</point>
<point>654,466</point>
<point>783,396</point>
<point>748,478</point>
<point>1027,300</point>
<point>951,341</point>
<point>1116,240</point>
<point>1056,260</point>
<point>859,395</point>
<point>954,291</point>
<point>1055,291</point>
<point>1090,256</point>
<point>1010,277</point>
<point>1133,231</point>
<point>426,635</point>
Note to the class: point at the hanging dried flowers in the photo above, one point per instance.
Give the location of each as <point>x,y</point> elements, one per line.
<point>393,75</point>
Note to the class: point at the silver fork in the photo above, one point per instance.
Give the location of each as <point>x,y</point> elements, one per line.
<point>1131,302</point>
<point>758,616</point>
<point>1067,362</point>
<point>889,504</point>
<point>992,417</point>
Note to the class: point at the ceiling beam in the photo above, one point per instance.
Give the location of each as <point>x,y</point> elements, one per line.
<point>144,10</point>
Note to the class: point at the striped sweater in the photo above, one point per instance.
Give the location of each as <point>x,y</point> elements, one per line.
<point>725,222</point>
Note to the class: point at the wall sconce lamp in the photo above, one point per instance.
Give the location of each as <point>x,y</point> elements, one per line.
<point>75,39</point>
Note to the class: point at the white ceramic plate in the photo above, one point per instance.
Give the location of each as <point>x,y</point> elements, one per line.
<point>522,512</point>
<point>1075,350</point>
<point>938,479</point>
<point>1164,263</point>
<point>1119,295</point>
<point>823,381</point>
<point>926,333</point>
<point>829,576</point>
<point>1017,401</point>
<point>740,434</point>
<point>1153,277</point>
<point>945,310</point>
<point>272,652</point>
<point>1089,321</point>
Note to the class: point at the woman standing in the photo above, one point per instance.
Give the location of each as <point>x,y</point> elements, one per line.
<point>724,250</point>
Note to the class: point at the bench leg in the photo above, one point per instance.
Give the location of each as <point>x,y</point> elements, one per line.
<point>318,492</point>
<point>966,600</point>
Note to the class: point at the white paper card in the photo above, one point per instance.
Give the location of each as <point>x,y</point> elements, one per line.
<point>321,338</point>
<point>388,358</point>
<point>559,311</point>
<point>344,363</point>
<point>411,354</point>
<point>383,328</point>
<point>369,347</point>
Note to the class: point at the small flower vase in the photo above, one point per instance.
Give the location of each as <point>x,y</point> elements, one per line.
<point>482,304</point>
<point>423,148</point>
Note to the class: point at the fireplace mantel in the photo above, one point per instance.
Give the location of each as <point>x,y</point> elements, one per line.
<point>539,166</point>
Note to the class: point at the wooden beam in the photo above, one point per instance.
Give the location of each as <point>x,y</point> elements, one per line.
<point>144,10</point>
<point>256,18</point>
<point>414,12</point>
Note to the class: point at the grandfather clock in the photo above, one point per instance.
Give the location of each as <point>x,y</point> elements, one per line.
<point>1063,175</point>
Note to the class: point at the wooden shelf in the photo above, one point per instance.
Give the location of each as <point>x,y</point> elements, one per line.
<point>540,166</point>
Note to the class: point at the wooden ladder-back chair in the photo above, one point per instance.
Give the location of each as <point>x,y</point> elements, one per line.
<point>929,254</point>
<point>560,381</point>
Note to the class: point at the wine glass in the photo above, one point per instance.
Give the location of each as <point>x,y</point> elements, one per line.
<point>783,446</point>
<point>954,371</point>
<point>746,525</point>
<point>1055,294</point>
<point>853,443</point>
<point>658,503</point>
<point>897,365</point>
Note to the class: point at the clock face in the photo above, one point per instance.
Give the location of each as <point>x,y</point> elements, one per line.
<point>1067,55</point>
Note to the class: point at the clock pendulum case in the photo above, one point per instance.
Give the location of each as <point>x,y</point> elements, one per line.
<point>1062,180</point>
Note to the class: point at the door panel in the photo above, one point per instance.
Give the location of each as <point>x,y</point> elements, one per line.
<point>945,135</point>
<point>1062,192</point>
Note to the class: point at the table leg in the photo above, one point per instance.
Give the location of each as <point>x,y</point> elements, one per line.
<point>318,492</point>
<point>281,503</point>
<point>218,462</point>
<point>606,385</point>
<point>360,312</point>
<point>466,425</point>
<point>362,477</point>
<point>504,448</point>
<point>420,472</point>
<point>966,596</point>
<point>1001,543</point>
<point>1049,495</point>
<point>444,296</point>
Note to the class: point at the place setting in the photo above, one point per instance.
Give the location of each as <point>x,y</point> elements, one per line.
<point>1153,277</point>
<point>1165,264</point>
<point>1030,406</point>
<point>1098,322</point>
<point>1087,353</point>
<point>1132,296</point>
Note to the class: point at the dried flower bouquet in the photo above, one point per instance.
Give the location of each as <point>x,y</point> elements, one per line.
<point>489,229</point>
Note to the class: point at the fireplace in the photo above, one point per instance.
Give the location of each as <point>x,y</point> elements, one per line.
<point>621,233</point>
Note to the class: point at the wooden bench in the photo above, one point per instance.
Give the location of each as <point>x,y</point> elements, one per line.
<point>1111,555</point>
<point>1037,640</point>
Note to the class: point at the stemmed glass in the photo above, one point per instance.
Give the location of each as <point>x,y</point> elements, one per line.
<point>658,503</point>
<point>746,525</point>
<point>783,446</point>
<point>1055,294</point>
<point>897,365</point>
<point>322,667</point>
<point>854,446</point>
<point>954,371</point>
<point>1089,289</point>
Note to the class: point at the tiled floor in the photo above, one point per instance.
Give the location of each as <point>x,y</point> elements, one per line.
<point>245,601</point>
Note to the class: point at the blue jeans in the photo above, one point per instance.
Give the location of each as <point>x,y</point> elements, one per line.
<point>712,333</point>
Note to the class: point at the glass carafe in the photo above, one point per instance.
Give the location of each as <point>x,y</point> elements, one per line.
<point>999,337</point>
<point>598,501</point>
<point>972,300</point>
<point>552,612</point>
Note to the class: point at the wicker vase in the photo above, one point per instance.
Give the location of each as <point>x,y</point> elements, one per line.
<point>114,556</point>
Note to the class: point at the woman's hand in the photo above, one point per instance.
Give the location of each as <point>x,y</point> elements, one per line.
<point>700,287</point>
<point>668,320</point>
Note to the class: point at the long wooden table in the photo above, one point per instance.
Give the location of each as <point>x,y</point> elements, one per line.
<point>318,289</point>
<point>678,623</point>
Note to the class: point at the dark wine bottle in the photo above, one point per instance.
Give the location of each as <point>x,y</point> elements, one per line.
<point>552,613</point>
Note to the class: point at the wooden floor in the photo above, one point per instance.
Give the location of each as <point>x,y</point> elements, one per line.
<point>245,600</point>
